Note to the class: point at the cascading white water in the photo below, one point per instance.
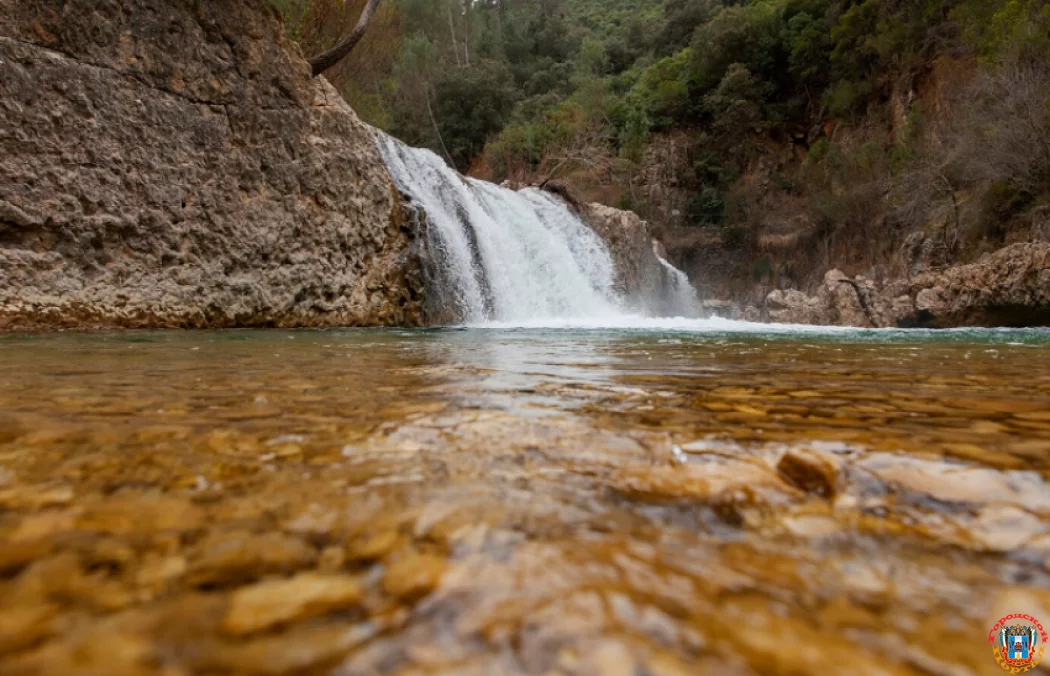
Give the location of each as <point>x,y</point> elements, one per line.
<point>681,299</point>
<point>520,257</point>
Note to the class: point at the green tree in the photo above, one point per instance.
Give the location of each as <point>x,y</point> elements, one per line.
<point>472,104</point>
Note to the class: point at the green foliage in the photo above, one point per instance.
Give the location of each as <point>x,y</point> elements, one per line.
<point>847,97</point>
<point>995,28</point>
<point>592,59</point>
<point>745,34</point>
<point>662,91</point>
<point>735,236</point>
<point>783,182</point>
<point>681,19</point>
<point>909,137</point>
<point>472,104</point>
<point>855,38</point>
<point>818,152</point>
<point>735,107</point>
<point>634,133</point>
<point>829,210</point>
<point>808,42</point>
<point>707,207</point>
<point>294,13</point>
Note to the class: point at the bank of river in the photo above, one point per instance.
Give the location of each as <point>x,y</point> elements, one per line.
<point>520,501</point>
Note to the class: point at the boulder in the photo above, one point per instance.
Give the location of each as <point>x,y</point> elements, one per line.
<point>725,309</point>
<point>791,306</point>
<point>841,297</point>
<point>931,301</point>
<point>1010,287</point>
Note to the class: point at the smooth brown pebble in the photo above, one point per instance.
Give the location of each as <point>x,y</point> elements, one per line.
<point>276,602</point>
<point>414,576</point>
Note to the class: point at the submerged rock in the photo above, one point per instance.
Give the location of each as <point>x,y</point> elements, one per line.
<point>647,505</point>
<point>414,575</point>
<point>275,602</point>
<point>811,471</point>
<point>233,557</point>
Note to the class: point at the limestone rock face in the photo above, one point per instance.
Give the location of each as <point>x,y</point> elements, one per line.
<point>631,244</point>
<point>1010,287</point>
<point>171,163</point>
<point>636,255</point>
<point>791,306</point>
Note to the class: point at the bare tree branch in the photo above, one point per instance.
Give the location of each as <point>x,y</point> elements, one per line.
<point>586,149</point>
<point>433,120</point>
<point>323,62</point>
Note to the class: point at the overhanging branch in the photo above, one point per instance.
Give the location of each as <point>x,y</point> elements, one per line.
<point>323,62</point>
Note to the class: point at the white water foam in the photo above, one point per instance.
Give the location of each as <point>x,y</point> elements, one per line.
<point>522,258</point>
<point>684,324</point>
<point>682,299</point>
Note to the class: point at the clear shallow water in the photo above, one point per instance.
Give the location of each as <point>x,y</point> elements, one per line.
<point>682,497</point>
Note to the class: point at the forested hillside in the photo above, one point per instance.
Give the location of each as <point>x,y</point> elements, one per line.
<point>765,139</point>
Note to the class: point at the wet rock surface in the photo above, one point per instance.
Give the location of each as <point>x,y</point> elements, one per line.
<point>641,278</point>
<point>473,502</point>
<point>171,163</point>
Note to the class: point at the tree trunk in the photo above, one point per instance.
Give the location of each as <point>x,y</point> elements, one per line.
<point>466,31</point>
<point>452,32</point>
<point>323,62</point>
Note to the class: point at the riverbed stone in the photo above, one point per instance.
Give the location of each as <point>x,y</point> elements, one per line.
<point>23,626</point>
<point>141,514</point>
<point>414,575</point>
<point>231,557</point>
<point>810,470</point>
<point>274,602</point>
<point>960,483</point>
<point>734,485</point>
<point>639,501</point>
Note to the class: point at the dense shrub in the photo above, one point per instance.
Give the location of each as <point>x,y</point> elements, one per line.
<point>706,207</point>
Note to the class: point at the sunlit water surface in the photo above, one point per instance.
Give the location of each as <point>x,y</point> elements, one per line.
<point>504,501</point>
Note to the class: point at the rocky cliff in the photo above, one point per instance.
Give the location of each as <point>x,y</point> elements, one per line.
<point>630,243</point>
<point>647,284</point>
<point>170,163</point>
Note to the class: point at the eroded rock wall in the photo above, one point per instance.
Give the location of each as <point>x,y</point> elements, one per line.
<point>644,282</point>
<point>170,163</point>
<point>1010,287</point>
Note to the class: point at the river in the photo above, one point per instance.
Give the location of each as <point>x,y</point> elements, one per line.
<point>728,499</point>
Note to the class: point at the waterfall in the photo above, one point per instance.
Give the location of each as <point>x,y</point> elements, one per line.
<point>680,295</point>
<point>519,257</point>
